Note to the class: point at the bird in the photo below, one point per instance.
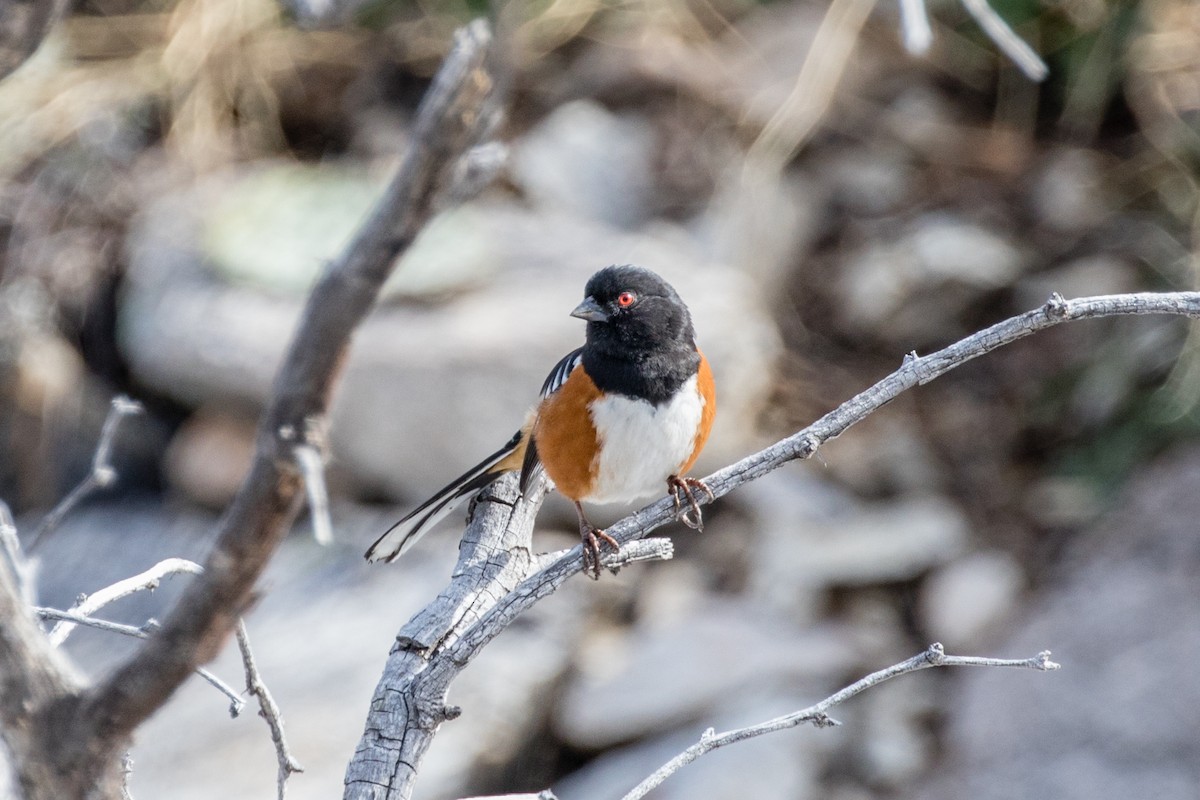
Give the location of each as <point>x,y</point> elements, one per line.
<point>618,418</point>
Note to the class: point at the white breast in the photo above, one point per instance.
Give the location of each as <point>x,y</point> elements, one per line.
<point>641,444</point>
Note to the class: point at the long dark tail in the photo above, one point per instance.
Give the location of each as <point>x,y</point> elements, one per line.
<point>405,533</point>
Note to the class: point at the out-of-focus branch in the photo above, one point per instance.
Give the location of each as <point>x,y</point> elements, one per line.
<point>816,714</point>
<point>268,710</point>
<point>102,473</point>
<point>92,729</point>
<point>1007,40</point>
<point>914,23</point>
<point>496,579</point>
<point>23,26</point>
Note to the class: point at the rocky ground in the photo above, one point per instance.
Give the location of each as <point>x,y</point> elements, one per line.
<point>162,244</point>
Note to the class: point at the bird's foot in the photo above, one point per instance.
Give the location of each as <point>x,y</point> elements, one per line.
<point>682,488</point>
<point>592,537</point>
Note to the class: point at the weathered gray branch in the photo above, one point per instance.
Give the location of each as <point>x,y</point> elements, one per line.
<point>495,579</point>
<point>68,741</point>
<point>816,714</point>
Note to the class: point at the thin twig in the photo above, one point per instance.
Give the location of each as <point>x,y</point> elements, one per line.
<point>268,710</point>
<point>102,474</point>
<point>87,605</point>
<point>1012,45</point>
<point>236,703</point>
<point>935,656</point>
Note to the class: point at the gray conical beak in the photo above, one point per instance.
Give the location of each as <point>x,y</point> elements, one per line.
<point>590,310</point>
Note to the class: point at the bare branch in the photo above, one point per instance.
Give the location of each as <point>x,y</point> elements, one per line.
<point>914,22</point>
<point>87,605</point>
<point>236,703</point>
<point>496,580</point>
<point>459,107</point>
<point>935,656</point>
<point>803,444</point>
<point>268,710</point>
<point>102,473</point>
<point>1007,40</point>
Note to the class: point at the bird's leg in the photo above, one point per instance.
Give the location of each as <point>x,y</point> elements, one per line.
<point>592,536</point>
<point>680,488</point>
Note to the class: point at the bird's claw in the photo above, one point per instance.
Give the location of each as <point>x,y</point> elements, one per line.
<point>592,537</point>
<point>681,488</point>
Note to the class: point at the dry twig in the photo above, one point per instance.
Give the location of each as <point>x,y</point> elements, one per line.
<point>268,710</point>
<point>148,580</point>
<point>236,703</point>
<point>102,474</point>
<point>935,656</point>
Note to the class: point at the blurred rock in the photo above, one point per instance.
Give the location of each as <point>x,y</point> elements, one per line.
<point>209,456</point>
<point>868,181</point>
<point>961,602</point>
<point>452,381</point>
<point>1068,193</point>
<point>762,221</point>
<point>892,744</point>
<point>885,455</point>
<point>1060,501</point>
<point>585,160</point>
<point>1091,275</point>
<point>1120,719</point>
<point>911,289</point>
<point>779,504</point>
<point>779,766</point>
<point>646,680</point>
<point>801,552</point>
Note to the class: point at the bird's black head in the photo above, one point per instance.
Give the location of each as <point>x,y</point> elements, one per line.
<point>640,341</point>
<point>631,310</point>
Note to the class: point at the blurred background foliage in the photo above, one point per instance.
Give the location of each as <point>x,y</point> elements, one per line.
<point>174,174</point>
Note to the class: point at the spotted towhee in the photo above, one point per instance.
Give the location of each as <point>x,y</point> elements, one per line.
<point>620,416</point>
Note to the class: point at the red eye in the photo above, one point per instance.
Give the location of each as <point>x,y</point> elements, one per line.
<point>626,299</point>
